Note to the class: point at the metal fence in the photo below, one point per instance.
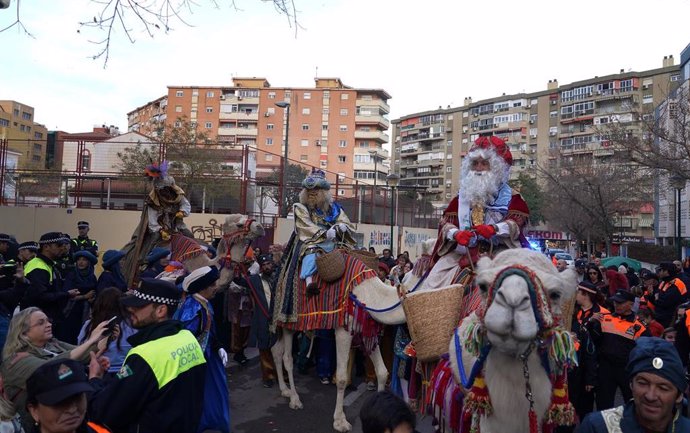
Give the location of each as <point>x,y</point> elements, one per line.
<point>248,181</point>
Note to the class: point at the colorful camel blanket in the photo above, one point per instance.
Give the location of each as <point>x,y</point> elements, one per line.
<point>294,310</point>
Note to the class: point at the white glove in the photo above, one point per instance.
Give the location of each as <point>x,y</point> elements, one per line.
<point>330,234</point>
<point>342,227</point>
<point>451,234</point>
<point>223,356</point>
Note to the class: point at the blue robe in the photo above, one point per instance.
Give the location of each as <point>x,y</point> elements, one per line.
<point>198,319</point>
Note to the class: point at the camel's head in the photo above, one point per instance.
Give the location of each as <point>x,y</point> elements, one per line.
<point>524,292</point>
<point>242,226</point>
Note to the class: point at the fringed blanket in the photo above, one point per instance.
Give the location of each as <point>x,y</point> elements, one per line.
<point>328,310</point>
<point>445,396</point>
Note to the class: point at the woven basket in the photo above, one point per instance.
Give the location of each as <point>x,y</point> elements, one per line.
<point>432,316</point>
<point>370,260</point>
<point>331,266</point>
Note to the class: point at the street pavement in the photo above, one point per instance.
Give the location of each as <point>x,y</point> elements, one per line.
<point>255,409</point>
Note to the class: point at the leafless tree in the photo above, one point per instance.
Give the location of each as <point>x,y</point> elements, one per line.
<point>586,193</point>
<point>149,17</point>
<point>659,137</point>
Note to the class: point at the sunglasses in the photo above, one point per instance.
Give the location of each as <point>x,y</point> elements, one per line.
<point>593,273</point>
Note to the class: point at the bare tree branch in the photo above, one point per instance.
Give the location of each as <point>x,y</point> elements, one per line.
<point>18,23</point>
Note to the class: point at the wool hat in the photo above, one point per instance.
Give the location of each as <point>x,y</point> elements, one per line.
<point>56,381</point>
<point>53,238</point>
<point>87,255</point>
<point>384,267</point>
<point>623,296</point>
<point>30,245</point>
<point>152,290</point>
<point>586,286</point>
<point>657,356</point>
<point>200,279</point>
<point>316,179</point>
<point>82,225</point>
<point>157,254</point>
<point>111,257</point>
<point>497,145</point>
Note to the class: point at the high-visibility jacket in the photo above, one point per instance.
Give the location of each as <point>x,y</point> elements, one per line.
<point>618,336</point>
<point>38,263</point>
<point>160,387</point>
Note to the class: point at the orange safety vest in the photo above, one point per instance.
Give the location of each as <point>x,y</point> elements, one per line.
<point>687,321</point>
<point>97,428</point>
<point>611,324</point>
<point>678,283</point>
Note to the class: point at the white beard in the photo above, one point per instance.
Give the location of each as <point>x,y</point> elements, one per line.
<point>479,187</point>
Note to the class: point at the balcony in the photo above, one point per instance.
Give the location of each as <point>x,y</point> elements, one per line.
<point>382,105</point>
<point>232,99</point>
<point>380,121</point>
<point>248,132</point>
<point>425,136</point>
<point>372,135</point>
<point>240,115</point>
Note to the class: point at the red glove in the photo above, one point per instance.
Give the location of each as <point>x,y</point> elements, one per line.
<point>485,231</point>
<point>463,237</point>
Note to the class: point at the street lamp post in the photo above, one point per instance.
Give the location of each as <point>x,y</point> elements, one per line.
<point>374,154</point>
<point>392,181</point>
<point>283,191</point>
<point>678,183</point>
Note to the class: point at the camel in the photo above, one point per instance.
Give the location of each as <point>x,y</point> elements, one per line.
<point>383,304</point>
<point>509,337</point>
<point>238,233</point>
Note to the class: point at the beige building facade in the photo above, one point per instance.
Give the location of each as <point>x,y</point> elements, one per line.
<point>23,134</point>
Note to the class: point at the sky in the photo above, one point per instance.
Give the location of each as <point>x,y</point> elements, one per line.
<point>425,54</point>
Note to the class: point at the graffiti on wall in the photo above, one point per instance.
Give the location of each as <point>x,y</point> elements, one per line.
<point>379,238</point>
<point>207,233</point>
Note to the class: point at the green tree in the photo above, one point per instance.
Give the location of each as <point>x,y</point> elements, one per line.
<point>196,162</point>
<point>532,193</point>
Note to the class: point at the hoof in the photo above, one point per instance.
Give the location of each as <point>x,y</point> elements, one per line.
<point>342,425</point>
<point>295,404</point>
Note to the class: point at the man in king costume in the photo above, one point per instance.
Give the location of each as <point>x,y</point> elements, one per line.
<point>320,225</point>
<point>162,217</point>
<point>484,218</point>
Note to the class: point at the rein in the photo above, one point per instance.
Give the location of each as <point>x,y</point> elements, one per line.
<point>356,301</point>
<point>229,240</point>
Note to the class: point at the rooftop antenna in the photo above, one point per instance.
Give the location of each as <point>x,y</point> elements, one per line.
<point>316,74</point>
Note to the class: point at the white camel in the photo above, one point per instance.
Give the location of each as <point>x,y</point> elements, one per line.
<point>378,297</point>
<point>238,233</point>
<point>510,325</point>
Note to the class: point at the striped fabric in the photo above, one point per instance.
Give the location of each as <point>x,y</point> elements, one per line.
<point>328,310</point>
<point>183,248</point>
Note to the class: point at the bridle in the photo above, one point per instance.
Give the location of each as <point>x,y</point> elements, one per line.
<point>229,239</point>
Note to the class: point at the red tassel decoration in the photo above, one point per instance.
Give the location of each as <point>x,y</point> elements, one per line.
<point>533,427</point>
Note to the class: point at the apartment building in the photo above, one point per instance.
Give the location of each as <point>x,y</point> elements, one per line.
<point>331,126</point>
<point>23,134</point>
<point>540,127</point>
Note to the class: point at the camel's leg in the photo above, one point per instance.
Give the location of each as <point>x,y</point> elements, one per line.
<point>277,351</point>
<point>295,402</point>
<point>343,341</point>
<point>379,367</point>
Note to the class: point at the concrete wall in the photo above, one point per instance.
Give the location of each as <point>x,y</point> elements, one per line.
<point>113,228</point>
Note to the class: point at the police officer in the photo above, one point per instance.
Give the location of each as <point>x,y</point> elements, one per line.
<point>669,295</point>
<point>160,387</point>
<point>27,251</point>
<point>657,380</point>
<point>619,331</point>
<point>82,241</point>
<point>45,289</point>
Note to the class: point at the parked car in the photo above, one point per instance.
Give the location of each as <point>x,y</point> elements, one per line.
<point>567,257</point>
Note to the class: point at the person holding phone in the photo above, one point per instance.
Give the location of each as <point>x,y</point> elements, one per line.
<point>13,276</point>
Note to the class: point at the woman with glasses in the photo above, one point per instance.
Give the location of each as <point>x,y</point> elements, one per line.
<point>30,344</point>
<point>595,277</point>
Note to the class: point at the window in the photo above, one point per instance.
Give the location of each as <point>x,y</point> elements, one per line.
<point>209,109</point>
<point>195,92</point>
<point>343,128</point>
<point>305,127</point>
<point>37,135</point>
<point>325,111</point>
<point>271,95</point>
<point>4,122</point>
<point>449,169</point>
<point>324,127</point>
<point>647,99</point>
<point>326,94</point>
<point>533,132</point>
<point>342,159</point>
<point>304,157</point>
<point>342,143</point>
<point>363,144</point>
<point>38,158</point>
<point>269,157</point>
<point>343,111</point>
<point>306,111</point>
<point>553,114</point>
<point>675,77</point>
<point>344,96</point>
<point>179,93</point>
<point>449,143</point>
<point>307,95</point>
<point>271,110</point>
<point>269,141</point>
<point>178,109</point>
<point>178,124</point>
<point>38,147</point>
<point>26,116</point>
<point>85,160</point>
<point>210,94</point>
<point>324,164</point>
<point>15,112</point>
<point>209,125</point>
<point>269,126</point>
<point>304,142</point>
